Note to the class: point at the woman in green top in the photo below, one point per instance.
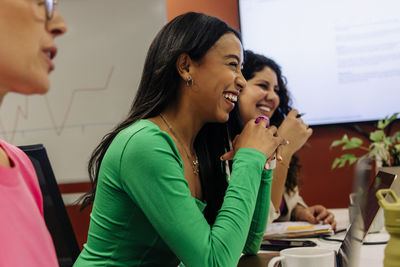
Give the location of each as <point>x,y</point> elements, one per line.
<point>161,194</point>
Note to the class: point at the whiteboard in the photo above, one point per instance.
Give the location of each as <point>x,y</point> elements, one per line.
<point>98,70</point>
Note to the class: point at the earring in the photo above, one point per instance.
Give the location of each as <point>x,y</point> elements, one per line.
<point>189,81</point>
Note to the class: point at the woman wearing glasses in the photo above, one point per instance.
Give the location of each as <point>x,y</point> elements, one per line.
<point>27,30</point>
<point>161,193</point>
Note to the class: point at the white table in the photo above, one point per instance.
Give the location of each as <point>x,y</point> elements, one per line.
<point>370,255</point>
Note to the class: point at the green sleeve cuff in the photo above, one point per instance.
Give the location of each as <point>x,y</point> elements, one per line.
<point>254,156</point>
<point>266,176</point>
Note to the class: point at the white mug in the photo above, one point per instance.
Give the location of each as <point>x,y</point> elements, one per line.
<point>304,257</point>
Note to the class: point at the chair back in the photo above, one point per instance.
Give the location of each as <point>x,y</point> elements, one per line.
<point>55,214</point>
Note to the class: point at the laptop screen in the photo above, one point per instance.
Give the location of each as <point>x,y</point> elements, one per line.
<point>382,180</point>
<point>348,253</point>
<point>367,202</point>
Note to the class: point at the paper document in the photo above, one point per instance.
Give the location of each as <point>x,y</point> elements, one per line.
<point>296,229</point>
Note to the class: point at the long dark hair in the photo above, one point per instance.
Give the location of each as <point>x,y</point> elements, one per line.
<point>254,63</point>
<point>193,34</point>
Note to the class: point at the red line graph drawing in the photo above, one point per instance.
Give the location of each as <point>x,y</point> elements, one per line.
<point>22,111</point>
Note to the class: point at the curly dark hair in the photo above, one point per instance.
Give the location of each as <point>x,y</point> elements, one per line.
<point>254,63</point>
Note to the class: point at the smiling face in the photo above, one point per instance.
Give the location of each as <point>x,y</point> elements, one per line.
<point>217,79</point>
<point>27,49</point>
<point>260,96</point>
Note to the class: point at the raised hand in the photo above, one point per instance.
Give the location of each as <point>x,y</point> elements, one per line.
<point>295,131</point>
<point>256,136</point>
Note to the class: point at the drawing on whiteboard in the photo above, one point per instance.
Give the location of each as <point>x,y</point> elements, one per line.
<point>23,112</point>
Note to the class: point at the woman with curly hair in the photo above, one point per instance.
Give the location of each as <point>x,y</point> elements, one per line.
<point>266,95</point>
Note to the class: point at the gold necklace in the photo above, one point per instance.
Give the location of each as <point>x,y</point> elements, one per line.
<point>195,163</point>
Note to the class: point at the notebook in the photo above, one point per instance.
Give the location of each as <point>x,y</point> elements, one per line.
<point>279,230</point>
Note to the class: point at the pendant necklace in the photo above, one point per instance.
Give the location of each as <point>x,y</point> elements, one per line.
<point>195,163</point>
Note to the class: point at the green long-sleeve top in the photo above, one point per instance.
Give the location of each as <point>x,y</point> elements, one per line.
<point>144,214</point>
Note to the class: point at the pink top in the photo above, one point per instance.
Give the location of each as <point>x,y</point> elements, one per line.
<point>24,238</point>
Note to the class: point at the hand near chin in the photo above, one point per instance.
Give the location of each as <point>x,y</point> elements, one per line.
<point>315,214</point>
<point>295,131</point>
<point>257,136</point>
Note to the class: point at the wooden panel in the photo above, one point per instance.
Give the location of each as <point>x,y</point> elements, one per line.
<point>80,222</point>
<point>226,10</point>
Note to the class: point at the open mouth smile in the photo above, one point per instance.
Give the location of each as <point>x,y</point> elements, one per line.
<point>231,97</point>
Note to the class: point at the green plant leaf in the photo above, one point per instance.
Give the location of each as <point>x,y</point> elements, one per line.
<point>351,158</point>
<point>344,140</point>
<point>337,143</point>
<point>377,136</point>
<point>397,147</point>
<point>395,137</point>
<point>386,121</point>
<point>335,162</point>
<point>341,162</point>
<point>378,150</point>
<point>340,142</point>
<point>352,143</point>
<point>387,142</point>
<point>381,147</point>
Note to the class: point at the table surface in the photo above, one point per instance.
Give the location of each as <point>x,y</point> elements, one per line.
<point>370,255</point>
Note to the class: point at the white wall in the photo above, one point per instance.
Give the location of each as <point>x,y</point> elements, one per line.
<point>98,68</point>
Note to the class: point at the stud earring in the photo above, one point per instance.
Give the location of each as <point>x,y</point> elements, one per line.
<point>189,81</point>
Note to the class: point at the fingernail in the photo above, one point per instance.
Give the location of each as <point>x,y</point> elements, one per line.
<point>262,118</point>
<point>287,142</point>
<point>279,158</point>
<point>221,158</point>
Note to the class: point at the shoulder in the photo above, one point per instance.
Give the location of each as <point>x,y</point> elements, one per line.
<point>16,155</point>
<point>143,133</point>
<point>143,138</point>
<point>24,169</point>
<point>144,148</point>
<point>4,161</point>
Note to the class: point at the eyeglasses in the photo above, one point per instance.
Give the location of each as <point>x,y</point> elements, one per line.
<point>50,6</point>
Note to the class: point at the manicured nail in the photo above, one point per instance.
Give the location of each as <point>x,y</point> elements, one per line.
<point>263,118</point>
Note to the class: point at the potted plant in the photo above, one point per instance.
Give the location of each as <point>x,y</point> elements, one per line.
<point>383,149</point>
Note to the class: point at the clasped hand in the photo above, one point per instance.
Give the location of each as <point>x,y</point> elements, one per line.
<point>295,131</point>
<point>258,136</point>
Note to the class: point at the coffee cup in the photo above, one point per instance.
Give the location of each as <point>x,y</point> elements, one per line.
<point>304,257</point>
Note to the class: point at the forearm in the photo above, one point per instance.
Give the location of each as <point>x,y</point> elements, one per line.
<point>163,196</point>
<point>260,216</point>
<point>279,181</point>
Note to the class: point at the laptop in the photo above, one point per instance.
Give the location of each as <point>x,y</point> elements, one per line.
<point>348,254</point>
